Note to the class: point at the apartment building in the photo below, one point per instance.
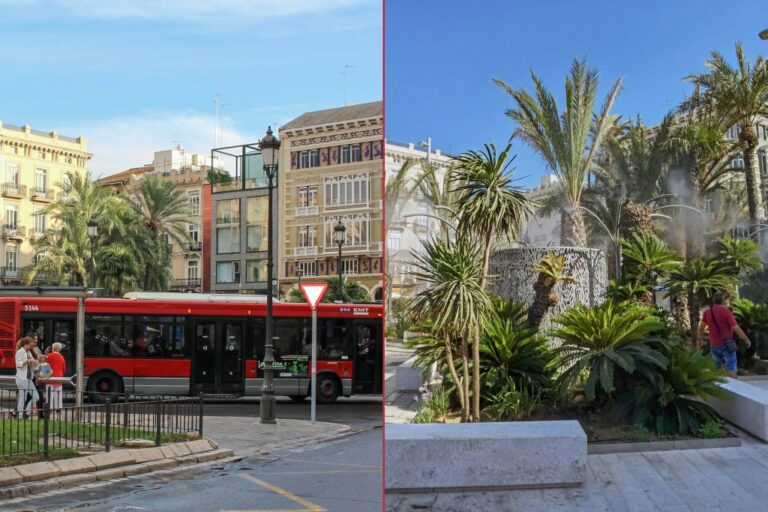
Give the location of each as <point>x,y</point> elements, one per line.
<point>542,230</point>
<point>187,171</point>
<point>34,166</point>
<point>330,171</point>
<point>411,217</point>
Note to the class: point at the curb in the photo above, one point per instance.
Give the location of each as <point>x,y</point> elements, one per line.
<point>39,477</point>
<point>662,446</point>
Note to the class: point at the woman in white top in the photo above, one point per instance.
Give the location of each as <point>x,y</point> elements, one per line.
<point>25,371</point>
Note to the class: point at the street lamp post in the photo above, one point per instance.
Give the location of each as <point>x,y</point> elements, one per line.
<point>93,233</point>
<point>269,146</point>
<point>299,273</point>
<point>338,232</point>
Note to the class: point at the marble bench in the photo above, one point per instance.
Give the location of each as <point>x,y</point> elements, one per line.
<point>485,456</point>
<point>408,376</point>
<point>746,406</point>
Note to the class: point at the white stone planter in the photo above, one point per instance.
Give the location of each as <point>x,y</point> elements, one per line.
<point>485,456</point>
<point>746,406</point>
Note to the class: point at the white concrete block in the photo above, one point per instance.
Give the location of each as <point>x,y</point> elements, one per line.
<point>408,376</point>
<point>746,407</point>
<point>524,454</point>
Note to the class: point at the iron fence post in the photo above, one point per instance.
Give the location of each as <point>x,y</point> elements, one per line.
<point>157,423</point>
<point>200,424</point>
<point>108,422</point>
<point>46,417</point>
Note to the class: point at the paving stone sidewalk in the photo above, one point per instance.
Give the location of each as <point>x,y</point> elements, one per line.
<point>246,436</point>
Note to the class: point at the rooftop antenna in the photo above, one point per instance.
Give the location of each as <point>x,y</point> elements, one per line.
<point>347,67</point>
<point>217,132</point>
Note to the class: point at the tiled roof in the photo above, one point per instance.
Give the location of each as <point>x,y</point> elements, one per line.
<point>336,115</point>
<point>124,175</point>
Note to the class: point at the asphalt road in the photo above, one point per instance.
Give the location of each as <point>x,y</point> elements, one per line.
<point>341,475</point>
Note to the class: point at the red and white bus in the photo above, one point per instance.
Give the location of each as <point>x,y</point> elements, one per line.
<point>182,344</point>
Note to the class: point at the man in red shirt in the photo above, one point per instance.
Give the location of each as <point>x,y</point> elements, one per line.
<point>58,369</point>
<point>722,326</point>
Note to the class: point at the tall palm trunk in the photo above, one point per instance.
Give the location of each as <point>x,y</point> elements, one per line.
<point>543,299</point>
<point>476,334</point>
<point>573,232</point>
<point>694,308</point>
<point>748,139</point>
<point>635,218</point>
<point>680,312</point>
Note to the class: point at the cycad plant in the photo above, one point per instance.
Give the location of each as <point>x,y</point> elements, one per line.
<point>456,304</point>
<point>739,257</point>
<point>599,343</point>
<point>567,140</point>
<point>753,319</point>
<point>698,280</point>
<point>646,260</point>
<point>551,270</point>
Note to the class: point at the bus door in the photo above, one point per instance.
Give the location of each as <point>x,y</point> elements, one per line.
<point>367,336</point>
<point>218,359</point>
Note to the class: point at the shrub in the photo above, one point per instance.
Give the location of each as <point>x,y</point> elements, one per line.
<point>509,403</point>
<point>711,429</point>
<point>399,312</point>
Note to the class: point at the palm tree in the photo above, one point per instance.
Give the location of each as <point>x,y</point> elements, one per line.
<point>161,209</point>
<point>739,257</point>
<point>487,206</point>
<point>568,141</point>
<point>698,280</point>
<point>118,269</point>
<point>738,96</point>
<point>455,304</point>
<point>551,271</point>
<point>441,192</point>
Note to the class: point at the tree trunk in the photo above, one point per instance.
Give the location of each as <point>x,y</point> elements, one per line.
<point>542,300</point>
<point>573,232</point>
<point>748,139</point>
<point>476,333</point>
<point>693,307</point>
<point>635,218</point>
<point>680,312</point>
<point>454,375</point>
<point>465,413</point>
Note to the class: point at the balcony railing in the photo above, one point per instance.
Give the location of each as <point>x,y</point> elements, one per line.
<point>369,247</point>
<point>302,211</point>
<point>37,234</point>
<point>13,231</point>
<point>42,194</point>
<point>187,284</point>
<point>9,273</point>
<point>305,251</point>
<point>193,246</point>
<point>14,190</point>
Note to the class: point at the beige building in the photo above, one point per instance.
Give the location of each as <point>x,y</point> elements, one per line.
<point>34,165</point>
<point>331,169</point>
<point>188,172</point>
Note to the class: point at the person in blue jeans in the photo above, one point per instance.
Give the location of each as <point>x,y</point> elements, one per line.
<point>722,326</point>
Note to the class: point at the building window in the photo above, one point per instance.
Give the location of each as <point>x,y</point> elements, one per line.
<point>11,257</point>
<point>68,160</point>
<point>393,243</point>
<point>193,230</point>
<point>306,268</point>
<point>256,271</point>
<point>13,150</point>
<point>349,266</point>
<point>763,131</point>
<point>193,199</point>
<point>228,212</point>
<point>733,132</point>
<point>357,231</point>
<point>41,180</point>
<point>228,272</point>
<point>41,155</point>
<point>228,240</point>
<point>307,236</point>
<point>307,196</point>
<point>39,222</point>
<point>423,240</point>
<point>348,191</point>
<point>737,162</point>
<point>257,218</point>
<point>304,160</point>
<point>193,269</point>
<point>355,154</point>
<point>422,220</point>
<point>314,158</point>
<point>345,154</point>
<point>762,161</point>
<point>12,176</point>
<point>11,216</point>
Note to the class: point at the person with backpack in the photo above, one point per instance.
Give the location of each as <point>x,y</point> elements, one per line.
<point>722,326</point>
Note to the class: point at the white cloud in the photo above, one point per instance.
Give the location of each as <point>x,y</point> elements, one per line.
<point>119,144</point>
<point>193,10</point>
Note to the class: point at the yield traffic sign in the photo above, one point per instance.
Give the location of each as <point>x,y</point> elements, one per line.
<point>314,292</point>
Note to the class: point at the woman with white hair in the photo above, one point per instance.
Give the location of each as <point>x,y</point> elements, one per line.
<point>58,369</point>
<point>25,371</point>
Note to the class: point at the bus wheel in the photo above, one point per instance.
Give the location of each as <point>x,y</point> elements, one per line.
<point>104,385</point>
<point>298,398</point>
<point>328,389</point>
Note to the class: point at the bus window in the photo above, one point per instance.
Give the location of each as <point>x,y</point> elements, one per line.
<point>155,337</point>
<point>256,338</point>
<point>102,337</point>
<point>36,327</point>
<point>333,341</point>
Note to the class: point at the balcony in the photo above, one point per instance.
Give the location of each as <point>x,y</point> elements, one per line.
<point>42,194</point>
<point>347,249</point>
<point>303,211</point>
<point>14,190</point>
<point>305,251</point>
<point>62,196</point>
<point>37,235</point>
<point>10,274</point>
<point>193,246</point>
<point>14,232</point>
<point>190,285</point>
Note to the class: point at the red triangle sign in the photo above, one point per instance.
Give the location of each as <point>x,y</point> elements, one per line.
<point>314,292</point>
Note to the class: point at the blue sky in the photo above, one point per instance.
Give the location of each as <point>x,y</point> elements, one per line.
<point>135,76</point>
<point>442,54</point>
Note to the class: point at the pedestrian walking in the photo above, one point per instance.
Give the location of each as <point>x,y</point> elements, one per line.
<point>58,369</point>
<point>722,326</point>
<point>25,370</point>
